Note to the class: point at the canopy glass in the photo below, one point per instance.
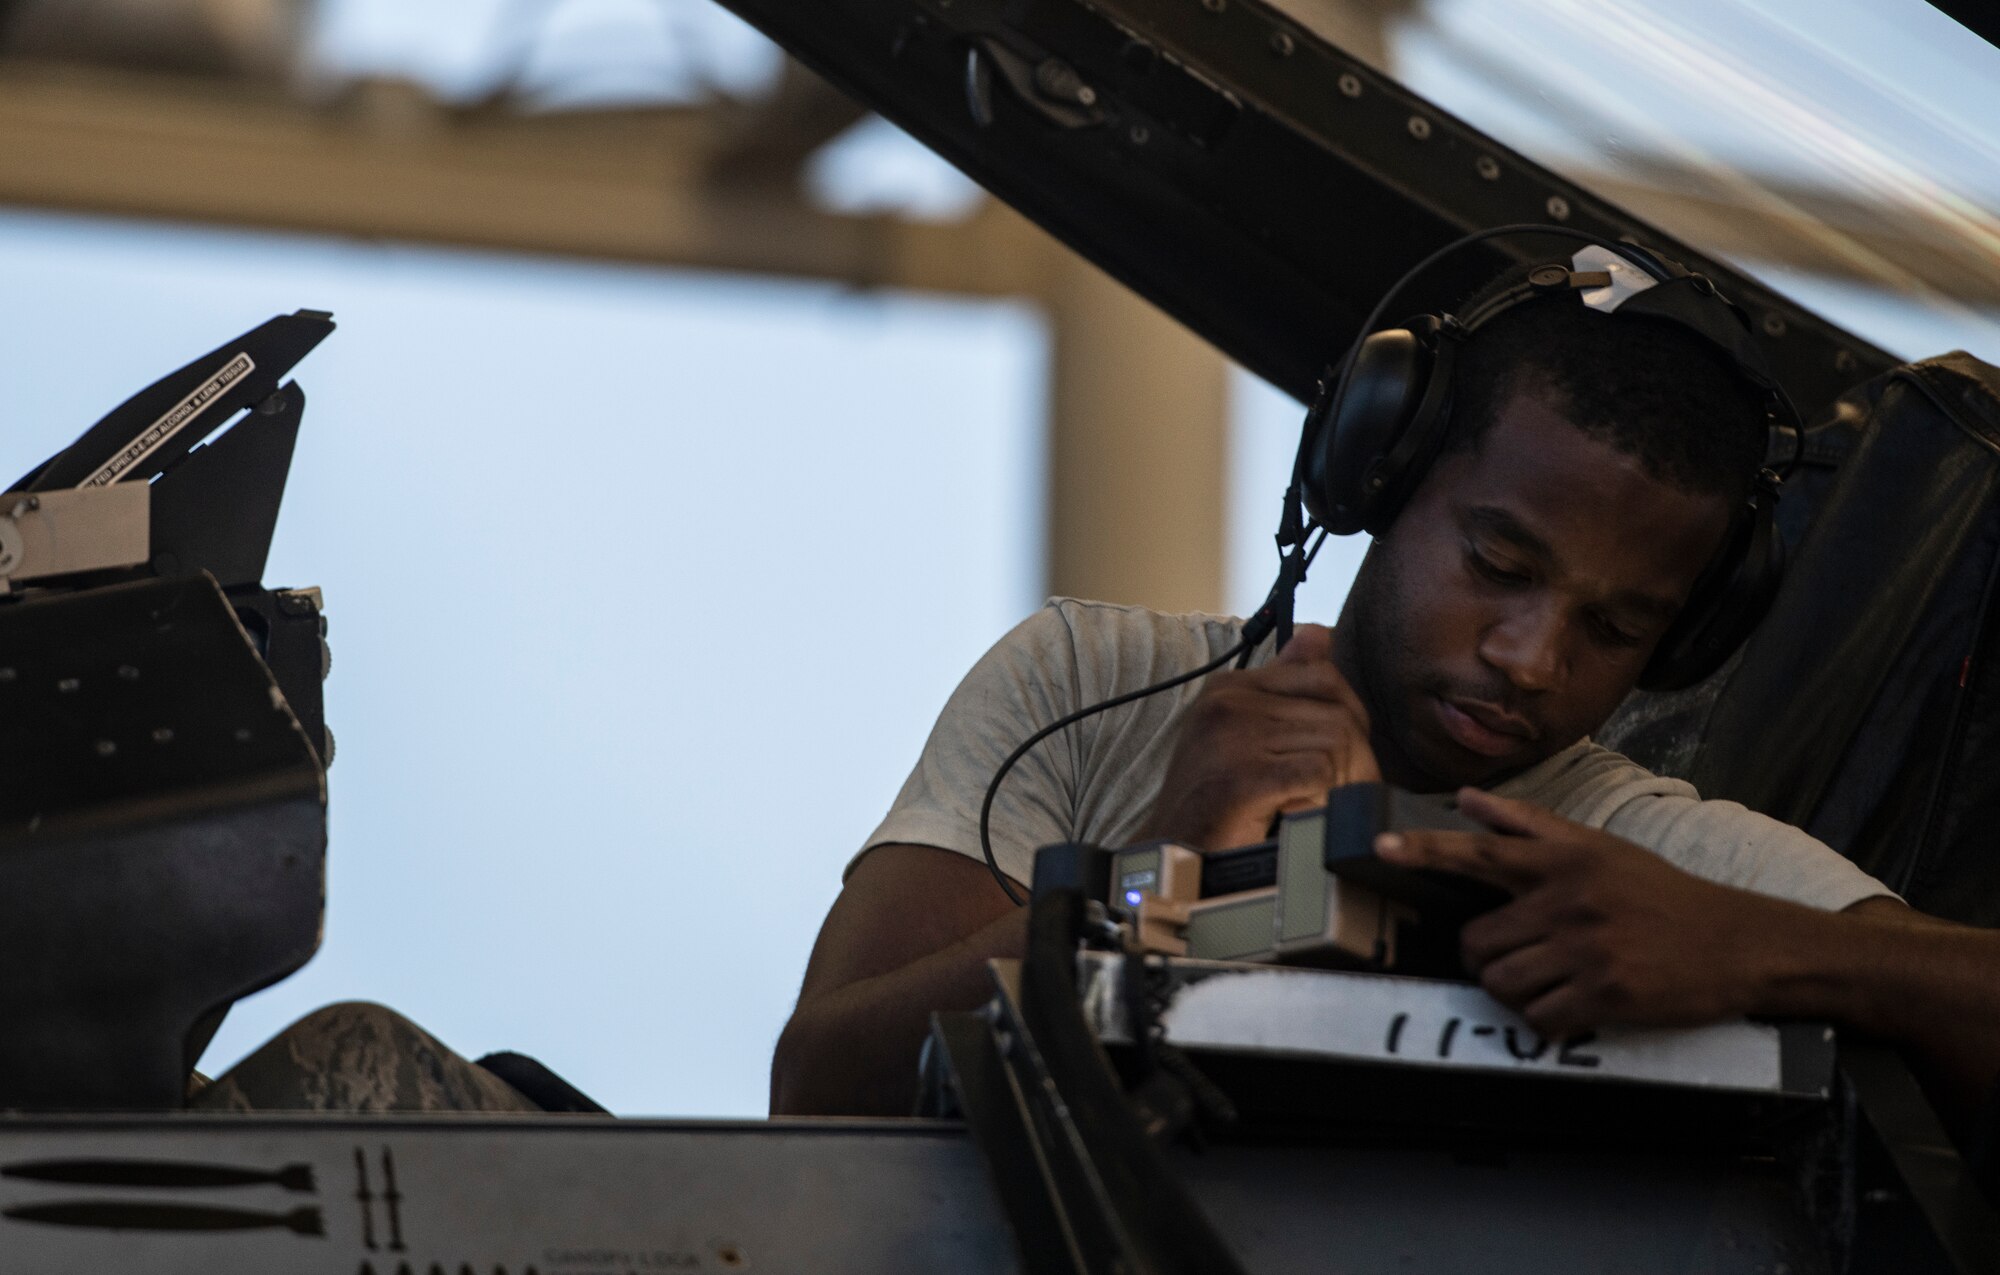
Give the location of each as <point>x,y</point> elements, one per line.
<point>1842,148</point>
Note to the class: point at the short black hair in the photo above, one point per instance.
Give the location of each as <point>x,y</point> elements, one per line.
<point>1648,387</point>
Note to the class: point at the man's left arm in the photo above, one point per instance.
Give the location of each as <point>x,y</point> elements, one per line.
<point>1603,932</point>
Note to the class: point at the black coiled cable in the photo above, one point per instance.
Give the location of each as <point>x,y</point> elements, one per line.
<point>1277,606</point>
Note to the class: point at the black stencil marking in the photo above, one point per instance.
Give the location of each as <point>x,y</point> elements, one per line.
<point>177,1174</point>
<point>1569,1057</point>
<point>394,1200</point>
<point>367,1198</point>
<point>156,1215</point>
<point>1529,1053</point>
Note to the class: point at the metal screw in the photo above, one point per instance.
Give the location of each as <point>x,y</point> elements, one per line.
<point>1281,44</point>
<point>1420,128</point>
<point>1350,85</point>
<point>1774,325</point>
<point>106,748</point>
<point>70,685</point>
<point>1140,135</point>
<point>128,673</point>
<point>163,736</point>
<point>1558,207</point>
<point>1488,167</point>
<point>1057,79</point>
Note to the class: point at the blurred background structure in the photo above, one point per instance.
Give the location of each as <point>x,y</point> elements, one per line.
<point>689,431</point>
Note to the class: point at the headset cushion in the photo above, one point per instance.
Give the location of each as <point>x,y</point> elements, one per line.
<point>1347,465</point>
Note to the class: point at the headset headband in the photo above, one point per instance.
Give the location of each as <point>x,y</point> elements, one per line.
<point>1671,293</point>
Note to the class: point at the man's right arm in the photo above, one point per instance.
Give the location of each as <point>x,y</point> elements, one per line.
<point>910,934</point>
<point>914,926</point>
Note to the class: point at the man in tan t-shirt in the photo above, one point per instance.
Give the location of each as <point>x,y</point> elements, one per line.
<point>1588,478</point>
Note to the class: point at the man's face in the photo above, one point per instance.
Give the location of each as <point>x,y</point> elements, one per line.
<point>1515,601</point>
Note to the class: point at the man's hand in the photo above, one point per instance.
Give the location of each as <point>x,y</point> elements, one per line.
<point>1262,742</point>
<point>1600,931</point>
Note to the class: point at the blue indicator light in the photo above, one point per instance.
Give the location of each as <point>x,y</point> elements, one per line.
<point>1132,898</point>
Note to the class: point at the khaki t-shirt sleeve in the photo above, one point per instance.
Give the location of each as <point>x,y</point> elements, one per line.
<point>1028,679</point>
<point>1720,841</point>
<point>1733,845</point>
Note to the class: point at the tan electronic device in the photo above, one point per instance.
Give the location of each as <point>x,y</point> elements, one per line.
<point>1314,896</point>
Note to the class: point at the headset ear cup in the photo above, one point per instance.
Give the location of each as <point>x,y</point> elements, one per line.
<point>1355,462</point>
<point>1726,604</point>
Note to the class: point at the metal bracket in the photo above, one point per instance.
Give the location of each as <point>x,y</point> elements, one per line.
<point>1050,87</point>
<point>72,530</point>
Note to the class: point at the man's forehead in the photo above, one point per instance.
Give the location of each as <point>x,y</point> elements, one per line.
<point>1590,508</point>
<point>1531,445</point>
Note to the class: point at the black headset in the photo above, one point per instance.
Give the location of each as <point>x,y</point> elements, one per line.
<point>1381,418</point>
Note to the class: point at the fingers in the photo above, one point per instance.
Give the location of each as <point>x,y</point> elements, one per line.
<point>1308,772</point>
<point>1310,644</point>
<point>1356,766</point>
<point>1335,736</point>
<point>1544,983</point>
<point>1319,764</point>
<point>1564,1010</point>
<point>1305,667</point>
<point>1526,974</point>
<point>1237,809</point>
<point>1277,710</point>
<point>1260,742</point>
<point>1303,670</point>
<point>1515,864</point>
<point>1520,924</point>
<point>1317,681</point>
<point>1274,712</point>
<point>1506,814</point>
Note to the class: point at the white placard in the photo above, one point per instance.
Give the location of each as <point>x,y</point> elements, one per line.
<point>1426,1023</point>
<point>170,424</point>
